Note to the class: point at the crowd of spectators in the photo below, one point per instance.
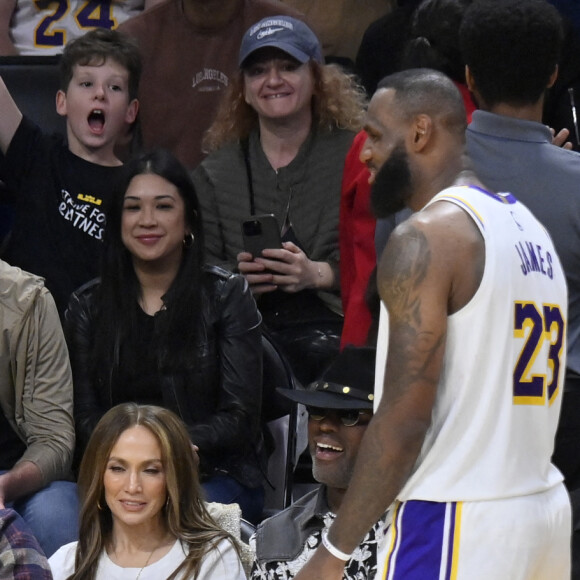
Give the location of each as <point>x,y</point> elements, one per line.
<point>132,309</point>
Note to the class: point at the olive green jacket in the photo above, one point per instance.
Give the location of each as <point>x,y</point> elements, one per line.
<point>36,394</point>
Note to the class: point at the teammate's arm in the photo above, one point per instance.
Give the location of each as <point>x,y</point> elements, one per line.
<point>423,275</point>
<point>7,9</point>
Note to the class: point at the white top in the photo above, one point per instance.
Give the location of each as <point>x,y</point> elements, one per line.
<point>499,395</point>
<point>45,31</point>
<point>222,563</point>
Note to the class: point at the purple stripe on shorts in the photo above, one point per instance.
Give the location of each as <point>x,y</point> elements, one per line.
<point>421,537</point>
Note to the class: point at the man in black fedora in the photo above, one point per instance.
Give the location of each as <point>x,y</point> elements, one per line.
<point>340,406</point>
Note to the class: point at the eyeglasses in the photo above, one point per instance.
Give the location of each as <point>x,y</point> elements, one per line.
<point>348,417</point>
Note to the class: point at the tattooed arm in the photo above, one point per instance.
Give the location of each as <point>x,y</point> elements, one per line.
<point>431,267</point>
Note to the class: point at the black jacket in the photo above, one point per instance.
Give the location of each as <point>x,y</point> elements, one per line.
<point>219,401</point>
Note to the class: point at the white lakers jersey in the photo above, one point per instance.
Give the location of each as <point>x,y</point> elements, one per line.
<point>43,27</point>
<point>499,396</point>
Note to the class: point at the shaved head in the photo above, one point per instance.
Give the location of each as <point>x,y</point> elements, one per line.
<point>423,91</point>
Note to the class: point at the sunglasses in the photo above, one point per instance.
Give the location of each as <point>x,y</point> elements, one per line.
<point>348,417</point>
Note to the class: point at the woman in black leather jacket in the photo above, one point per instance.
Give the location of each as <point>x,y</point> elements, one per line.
<point>160,328</point>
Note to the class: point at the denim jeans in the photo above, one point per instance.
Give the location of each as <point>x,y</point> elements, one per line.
<point>52,513</point>
<point>225,489</point>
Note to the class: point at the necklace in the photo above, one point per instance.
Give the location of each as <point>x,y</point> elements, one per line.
<point>164,542</point>
<point>147,562</point>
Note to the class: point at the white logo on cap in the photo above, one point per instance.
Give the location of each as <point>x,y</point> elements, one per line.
<point>267,32</point>
<point>271,22</point>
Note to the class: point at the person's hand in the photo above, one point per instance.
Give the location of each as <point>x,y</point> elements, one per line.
<point>259,279</point>
<point>559,139</point>
<point>292,270</point>
<point>322,566</point>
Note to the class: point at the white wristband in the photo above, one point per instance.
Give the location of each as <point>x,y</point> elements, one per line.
<point>333,549</point>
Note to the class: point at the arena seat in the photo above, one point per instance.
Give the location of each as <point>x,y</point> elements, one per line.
<point>280,418</point>
<point>33,83</point>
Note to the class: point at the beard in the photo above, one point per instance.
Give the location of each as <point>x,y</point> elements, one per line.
<point>392,186</point>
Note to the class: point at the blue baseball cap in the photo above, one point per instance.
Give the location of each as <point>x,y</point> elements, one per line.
<point>288,34</point>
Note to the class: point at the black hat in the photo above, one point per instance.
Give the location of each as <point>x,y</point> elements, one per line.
<point>348,383</point>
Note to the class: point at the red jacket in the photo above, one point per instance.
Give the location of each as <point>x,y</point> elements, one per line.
<point>357,237</point>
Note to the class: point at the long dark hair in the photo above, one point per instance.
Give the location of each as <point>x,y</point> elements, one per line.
<point>178,325</point>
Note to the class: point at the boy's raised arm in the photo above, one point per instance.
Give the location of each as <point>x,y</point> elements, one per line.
<point>7,8</point>
<point>10,117</point>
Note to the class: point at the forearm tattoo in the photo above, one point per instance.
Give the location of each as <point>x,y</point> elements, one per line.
<point>412,345</point>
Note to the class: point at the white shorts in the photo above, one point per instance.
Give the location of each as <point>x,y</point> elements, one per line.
<point>520,538</point>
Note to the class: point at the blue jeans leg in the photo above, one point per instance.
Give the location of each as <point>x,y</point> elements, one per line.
<point>225,489</point>
<point>53,515</point>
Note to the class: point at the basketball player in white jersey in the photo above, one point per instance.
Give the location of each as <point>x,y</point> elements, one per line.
<point>461,442</point>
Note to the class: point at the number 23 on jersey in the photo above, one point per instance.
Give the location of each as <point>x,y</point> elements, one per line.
<point>536,374</point>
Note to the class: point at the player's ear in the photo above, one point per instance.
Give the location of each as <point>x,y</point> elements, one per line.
<point>421,130</point>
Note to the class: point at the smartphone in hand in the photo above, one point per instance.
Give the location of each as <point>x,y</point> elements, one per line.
<point>261,232</point>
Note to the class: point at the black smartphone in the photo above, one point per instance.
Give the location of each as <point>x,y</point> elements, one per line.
<point>261,232</point>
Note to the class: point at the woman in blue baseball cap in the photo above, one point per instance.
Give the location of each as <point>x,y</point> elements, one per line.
<point>277,146</point>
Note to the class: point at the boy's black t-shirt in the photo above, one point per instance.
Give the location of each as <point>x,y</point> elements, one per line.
<point>59,202</point>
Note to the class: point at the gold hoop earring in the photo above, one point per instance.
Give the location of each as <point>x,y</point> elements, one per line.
<point>188,240</point>
<point>99,506</point>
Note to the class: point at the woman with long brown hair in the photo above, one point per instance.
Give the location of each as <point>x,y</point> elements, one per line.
<point>142,513</point>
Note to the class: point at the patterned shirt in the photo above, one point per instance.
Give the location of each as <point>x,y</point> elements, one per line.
<point>362,565</point>
<point>21,556</point>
